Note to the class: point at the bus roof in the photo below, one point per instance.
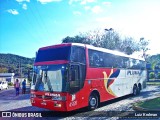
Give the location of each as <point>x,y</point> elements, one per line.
<point>93,48</point>
<point>61,45</point>
<point>113,52</point>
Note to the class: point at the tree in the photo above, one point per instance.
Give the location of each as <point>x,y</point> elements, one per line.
<point>91,38</point>
<point>143,46</point>
<point>109,39</point>
<point>68,40</point>
<point>128,45</point>
<point>3,70</point>
<point>11,69</point>
<point>154,60</point>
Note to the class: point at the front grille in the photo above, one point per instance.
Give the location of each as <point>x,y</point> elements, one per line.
<point>39,96</point>
<point>44,97</point>
<point>48,97</point>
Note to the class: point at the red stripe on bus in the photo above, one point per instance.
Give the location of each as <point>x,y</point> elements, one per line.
<point>51,62</point>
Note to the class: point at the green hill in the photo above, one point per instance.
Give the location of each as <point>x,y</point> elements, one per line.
<point>15,63</point>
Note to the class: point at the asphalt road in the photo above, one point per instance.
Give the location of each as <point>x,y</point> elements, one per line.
<point>10,102</point>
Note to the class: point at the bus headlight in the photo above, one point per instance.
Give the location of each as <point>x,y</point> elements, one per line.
<point>61,98</point>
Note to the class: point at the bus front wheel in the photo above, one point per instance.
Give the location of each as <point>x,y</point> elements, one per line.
<point>93,102</point>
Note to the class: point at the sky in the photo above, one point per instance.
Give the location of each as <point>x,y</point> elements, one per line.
<point>27,25</point>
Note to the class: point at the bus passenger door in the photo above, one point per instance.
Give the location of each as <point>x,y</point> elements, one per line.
<point>74,78</point>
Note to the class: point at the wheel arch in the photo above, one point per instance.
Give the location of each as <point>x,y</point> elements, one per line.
<point>135,84</point>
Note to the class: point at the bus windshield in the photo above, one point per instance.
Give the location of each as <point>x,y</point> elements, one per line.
<point>59,77</point>
<point>50,78</point>
<point>52,54</point>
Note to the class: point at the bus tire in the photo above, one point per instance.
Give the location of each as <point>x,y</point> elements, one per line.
<point>138,89</point>
<point>93,102</point>
<point>135,90</point>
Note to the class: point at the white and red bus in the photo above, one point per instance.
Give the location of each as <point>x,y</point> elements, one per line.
<point>72,75</point>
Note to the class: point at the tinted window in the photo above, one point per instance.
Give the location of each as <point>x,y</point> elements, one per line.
<point>95,58</point>
<point>143,64</point>
<point>136,64</point>
<point>115,61</point>
<point>102,59</point>
<point>108,60</point>
<point>78,54</point>
<point>120,62</point>
<point>61,53</point>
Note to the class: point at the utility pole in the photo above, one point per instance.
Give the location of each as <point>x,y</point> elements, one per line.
<point>20,70</point>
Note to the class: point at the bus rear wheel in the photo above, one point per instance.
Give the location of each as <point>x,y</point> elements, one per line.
<point>93,102</point>
<point>139,89</point>
<point>135,90</point>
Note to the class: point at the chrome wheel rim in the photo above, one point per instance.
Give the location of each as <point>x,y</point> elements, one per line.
<point>93,102</point>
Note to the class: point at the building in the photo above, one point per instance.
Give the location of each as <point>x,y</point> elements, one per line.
<point>7,77</point>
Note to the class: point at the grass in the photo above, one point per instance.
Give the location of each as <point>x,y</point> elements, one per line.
<point>153,83</point>
<point>150,104</point>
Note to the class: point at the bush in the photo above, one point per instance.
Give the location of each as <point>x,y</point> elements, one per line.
<point>10,84</point>
<point>151,75</point>
<point>159,75</point>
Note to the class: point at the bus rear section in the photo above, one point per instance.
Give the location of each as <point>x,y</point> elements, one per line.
<point>121,74</point>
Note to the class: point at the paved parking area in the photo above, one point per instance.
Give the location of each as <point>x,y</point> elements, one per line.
<point>10,102</point>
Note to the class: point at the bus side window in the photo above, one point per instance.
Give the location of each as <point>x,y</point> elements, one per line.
<point>108,60</point>
<point>77,53</point>
<point>142,65</point>
<point>135,64</point>
<point>118,63</point>
<point>126,62</point>
<point>96,58</point>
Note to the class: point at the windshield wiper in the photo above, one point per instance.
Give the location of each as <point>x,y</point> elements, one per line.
<point>48,82</point>
<point>49,86</point>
